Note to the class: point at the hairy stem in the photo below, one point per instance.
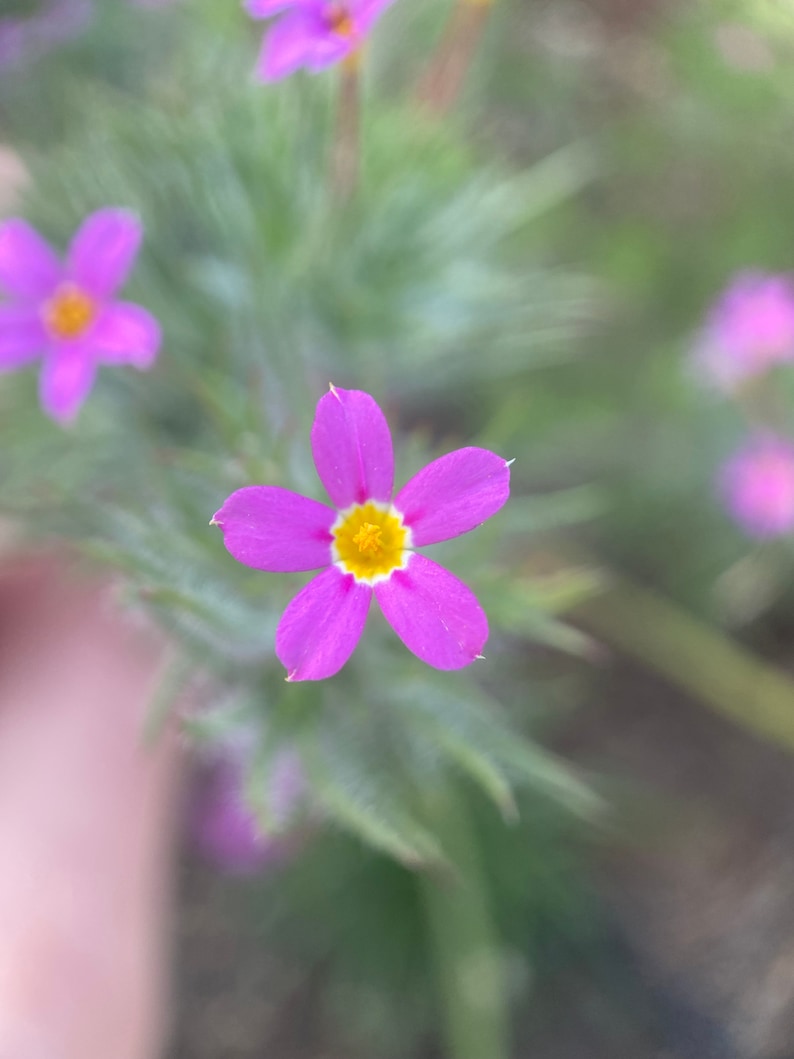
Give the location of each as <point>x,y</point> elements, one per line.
<point>441,84</point>
<point>346,148</point>
<point>466,947</point>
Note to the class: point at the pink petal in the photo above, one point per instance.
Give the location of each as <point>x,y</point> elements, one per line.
<point>352,448</point>
<point>22,336</point>
<point>29,267</point>
<point>289,44</point>
<point>103,251</point>
<point>368,11</point>
<point>266,8</point>
<point>453,494</point>
<point>322,625</point>
<point>66,380</point>
<point>328,48</point>
<point>270,528</point>
<point>435,615</point>
<point>126,334</point>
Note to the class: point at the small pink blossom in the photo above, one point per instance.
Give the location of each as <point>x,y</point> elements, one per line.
<point>757,486</point>
<point>225,828</point>
<point>311,33</point>
<point>68,313</point>
<point>365,544</point>
<point>749,330</point>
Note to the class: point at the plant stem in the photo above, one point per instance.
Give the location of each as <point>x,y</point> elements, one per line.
<point>346,148</point>
<point>466,948</point>
<point>706,662</point>
<point>441,85</point>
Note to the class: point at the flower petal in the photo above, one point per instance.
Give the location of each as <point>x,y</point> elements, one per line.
<point>321,626</point>
<point>103,251</point>
<point>328,48</point>
<point>66,380</point>
<point>273,529</point>
<point>22,336</point>
<point>368,11</point>
<point>352,448</point>
<point>453,495</point>
<point>29,267</point>
<point>126,333</point>
<point>266,8</point>
<point>435,615</point>
<point>290,43</point>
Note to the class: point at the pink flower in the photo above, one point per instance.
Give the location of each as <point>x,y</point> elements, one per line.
<point>749,330</point>
<point>68,313</point>
<point>365,544</point>
<point>757,486</point>
<point>311,33</point>
<point>225,829</point>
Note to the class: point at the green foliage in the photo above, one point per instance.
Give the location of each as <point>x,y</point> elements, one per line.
<point>360,920</point>
<point>432,288</point>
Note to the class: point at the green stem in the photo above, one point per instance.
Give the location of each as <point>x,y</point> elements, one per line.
<point>704,661</point>
<point>466,948</point>
<point>441,85</point>
<point>346,149</point>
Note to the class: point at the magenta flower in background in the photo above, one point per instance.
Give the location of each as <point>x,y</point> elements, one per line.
<point>68,313</point>
<point>757,486</point>
<point>225,829</point>
<point>365,543</point>
<point>311,33</point>
<point>24,38</point>
<point>749,330</point>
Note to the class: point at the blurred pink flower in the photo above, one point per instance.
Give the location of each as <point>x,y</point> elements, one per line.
<point>757,486</point>
<point>311,33</point>
<point>225,829</point>
<point>749,330</point>
<point>24,38</point>
<point>68,312</point>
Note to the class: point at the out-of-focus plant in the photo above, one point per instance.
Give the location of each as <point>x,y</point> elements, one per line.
<point>68,314</point>
<point>420,274</point>
<point>684,109</point>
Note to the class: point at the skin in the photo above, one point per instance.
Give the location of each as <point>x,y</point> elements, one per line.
<point>87,818</point>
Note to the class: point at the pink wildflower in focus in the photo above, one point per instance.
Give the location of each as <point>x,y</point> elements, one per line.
<point>225,829</point>
<point>68,313</point>
<point>311,33</point>
<point>365,544</point>
<point>757,486</point>
<point>750,329</point>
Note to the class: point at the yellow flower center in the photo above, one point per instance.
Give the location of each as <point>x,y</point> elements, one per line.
<point>338,19</point>
<point>370,541</point>
<point>69,313</point>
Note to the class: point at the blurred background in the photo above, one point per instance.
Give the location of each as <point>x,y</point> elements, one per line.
<point>579,256</point>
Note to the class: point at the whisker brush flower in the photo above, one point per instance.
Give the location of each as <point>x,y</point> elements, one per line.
<point>312,33</point>
<point>366,544</point>
<point>750,330</point>
<point>757,486</point>
<point>68,313</point>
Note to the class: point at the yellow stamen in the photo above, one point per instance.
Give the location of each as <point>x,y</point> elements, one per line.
<point>69,313</point>
<point>338,19</point>
<point>370,541</point>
